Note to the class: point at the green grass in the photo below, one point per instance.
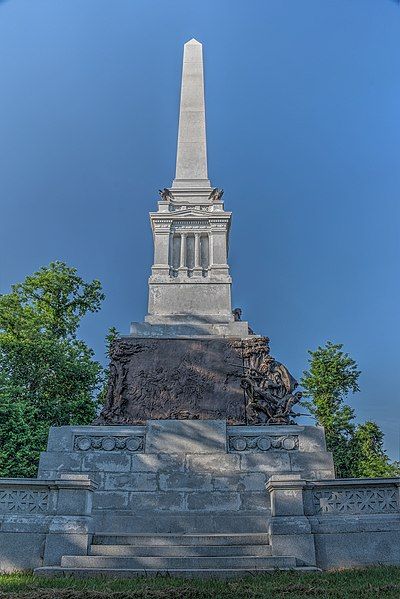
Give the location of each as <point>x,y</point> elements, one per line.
<point>374,582</point>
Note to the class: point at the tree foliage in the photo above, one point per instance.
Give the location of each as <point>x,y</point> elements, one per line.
<point>357,450</point>
<point>372,459</point>
<point>48,377</point>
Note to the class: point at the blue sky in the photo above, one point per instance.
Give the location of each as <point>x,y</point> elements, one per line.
<point>303,127</point>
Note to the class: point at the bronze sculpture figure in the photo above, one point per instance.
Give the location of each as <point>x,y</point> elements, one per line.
<point>165,194</point>
<point>268,385</point>
<point>216,194</point>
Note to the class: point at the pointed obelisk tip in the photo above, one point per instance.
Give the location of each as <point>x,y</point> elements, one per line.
<point>191,157</point>
<point>193,42</point>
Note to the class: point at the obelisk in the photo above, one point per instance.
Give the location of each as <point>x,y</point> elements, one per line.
<point>191,158</point>
<point>190,284</point>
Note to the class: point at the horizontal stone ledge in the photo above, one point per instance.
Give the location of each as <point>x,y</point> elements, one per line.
<point>352,482</point>
<point>368,523</point>
<point>80,482</point>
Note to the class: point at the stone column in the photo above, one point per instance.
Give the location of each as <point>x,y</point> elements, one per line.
<point>197,250</point>
<point>197,271</point>
<point>289,529</point>
<point>171,252</point>
<point>182,262</point>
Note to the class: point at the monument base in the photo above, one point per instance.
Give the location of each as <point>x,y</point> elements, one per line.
<point>186,476</point>
<point>196,487</point>
<point>193,498</point>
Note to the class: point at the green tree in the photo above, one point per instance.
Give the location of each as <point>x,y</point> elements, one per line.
<point>331,376</point>
<point>48,377</point>
<point>371,458</point>
<point>357,450</point>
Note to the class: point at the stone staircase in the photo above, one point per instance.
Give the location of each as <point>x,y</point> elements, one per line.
<point>182,555</point>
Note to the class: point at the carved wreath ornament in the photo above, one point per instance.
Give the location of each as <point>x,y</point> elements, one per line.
<point>109,443</point>
<point>262,443</point>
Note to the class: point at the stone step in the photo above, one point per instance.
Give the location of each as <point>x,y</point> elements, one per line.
<point>181,550</point>
<point>195,500</point>
<point>164,522</point>
<point>57,571</point>
<point>250,562</point>
<point>152,539</point>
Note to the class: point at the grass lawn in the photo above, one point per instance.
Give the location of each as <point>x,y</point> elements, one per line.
<point>370,582</point>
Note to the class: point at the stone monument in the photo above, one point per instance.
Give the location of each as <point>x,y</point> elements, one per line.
<point>195,466</point>
<point>193,357</point>
<point>190,284</point>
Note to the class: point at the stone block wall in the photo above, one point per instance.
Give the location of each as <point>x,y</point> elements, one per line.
<point>184,475</point>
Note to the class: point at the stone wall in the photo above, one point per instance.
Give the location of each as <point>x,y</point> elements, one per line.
<point>41,520</point>
<point>184,475</point>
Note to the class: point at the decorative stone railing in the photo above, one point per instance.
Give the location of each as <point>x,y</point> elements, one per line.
<point>17,499</point>
<point>335,523</point>
<point>68,495</point>
<point>55,513</point>
<point>352,496</point>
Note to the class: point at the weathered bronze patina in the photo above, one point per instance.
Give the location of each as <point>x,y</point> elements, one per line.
<point>236,380</point>
<point>174,378</point>
<point>268,385</point>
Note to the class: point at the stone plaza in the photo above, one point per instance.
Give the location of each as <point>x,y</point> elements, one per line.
<point>195,466</point>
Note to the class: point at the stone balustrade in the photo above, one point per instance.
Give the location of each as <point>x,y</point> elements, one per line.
<point>339,523</point>
<point>352,497</point>
<point>40,520</point>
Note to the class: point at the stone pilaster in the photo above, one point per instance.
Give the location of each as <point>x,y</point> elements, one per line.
<point>290,529</point>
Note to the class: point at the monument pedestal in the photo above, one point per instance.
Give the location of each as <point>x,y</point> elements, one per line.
<point>193,498</point>
<point>184,476</point>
